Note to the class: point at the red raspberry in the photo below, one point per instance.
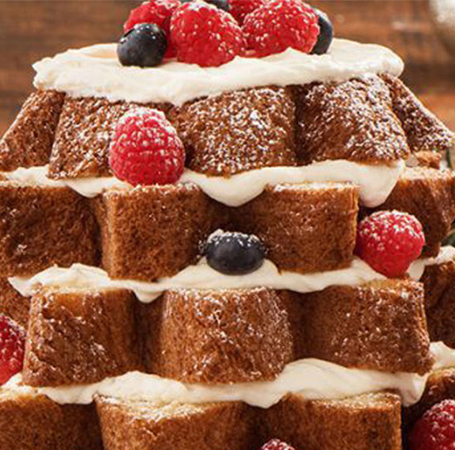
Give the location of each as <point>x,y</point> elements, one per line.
<point>389,241</point>
<point>146,149</point>
<point>240,8</point>
<point>276,444</point>
<point>436,429</point>
<point>205,35</point>
<point>281,24</point>
<point>12,344</point>
<point>158,12</point>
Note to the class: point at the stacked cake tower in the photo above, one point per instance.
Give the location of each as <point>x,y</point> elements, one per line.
<point>223,233</point>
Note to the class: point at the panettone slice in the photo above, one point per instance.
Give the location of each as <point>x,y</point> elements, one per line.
<point>30,421</point>
<point>238,131</point>
<point>353,120</point>
<point>29,140</point>
<point>429,195</point>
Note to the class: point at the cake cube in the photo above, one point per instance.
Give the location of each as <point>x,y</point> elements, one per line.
<point>238,131</point>
<point>153,232</point>
<point>12,304</point>
<point>353,120</point>
<point>80,336</point>
<point>377,326</point>
<point>28,142</point>
<point>305,228</point>
<point>41,226</point>
<point>83,137</point>
<point>361,423</point>
<point>429,195</point>
<point>439,282</point>
<point>225,336</point>
<point>142,425</point>
<point>424,131</point>
<point>29,421</point>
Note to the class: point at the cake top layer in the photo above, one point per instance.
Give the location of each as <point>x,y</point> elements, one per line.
<point>95,71</point>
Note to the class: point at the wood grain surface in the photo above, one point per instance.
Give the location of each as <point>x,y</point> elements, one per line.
<point>30,30</point>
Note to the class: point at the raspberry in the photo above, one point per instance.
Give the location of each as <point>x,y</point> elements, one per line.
<point>205,35</point>
<point>276,444</point>
<point>241,8</point>
<point>158,12</point>
<point>389,241</point>
<point>12,343</point>
<point>436,429</point>
<point>146,149</point>
<point>281,24</point>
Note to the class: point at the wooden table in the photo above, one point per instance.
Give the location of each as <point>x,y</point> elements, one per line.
<point>30,30</point>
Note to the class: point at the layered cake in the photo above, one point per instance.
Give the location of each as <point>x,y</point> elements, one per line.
<point>225,232</point>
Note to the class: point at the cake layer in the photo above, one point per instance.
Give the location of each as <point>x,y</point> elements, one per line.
<point>429,195</point>
<point>41,226</point>
<point>150,426</point>
<point>361,423</point>
<point>29,421</point>
<point>366,120</point>
<point>224,336</point>
<point>29,140</point>
<point>353,120</point>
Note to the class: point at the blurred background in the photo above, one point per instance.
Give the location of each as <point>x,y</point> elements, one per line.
<point>31,30</point>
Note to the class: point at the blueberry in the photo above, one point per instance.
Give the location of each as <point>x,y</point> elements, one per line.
<point>143,46</point>
<point>325,37</point>
<point>220,4</point>
<point>234,253</point>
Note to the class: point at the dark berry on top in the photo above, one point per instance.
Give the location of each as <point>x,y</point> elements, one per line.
<point>325,37</point>
<point>143,46</point>
<point>234,253</point>
<point>220,4</point>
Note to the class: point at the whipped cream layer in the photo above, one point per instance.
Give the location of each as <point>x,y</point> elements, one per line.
<point>313,379</point>
<point>96,72</point>
<point>375,182</point>
<point>202,276</point>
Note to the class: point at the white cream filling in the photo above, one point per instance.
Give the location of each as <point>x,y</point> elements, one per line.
<point>312,379</point>
<point>95,71</point>
<point>375,182</point>
<point>202,276</point>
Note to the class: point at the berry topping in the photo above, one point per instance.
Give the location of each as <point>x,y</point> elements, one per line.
<point>279,25</point>
<point>205,35</point>
<point>158,12</point>
<point>241,8</point>
<point>221,4</point>
<point>234,253</point>
<point>143,46</point>
<point>325,37</point>
<point>436,429</point>
<point>389,241</point>
<point>12,343</point>
<point>146,149</point>
<point>276,444</point>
